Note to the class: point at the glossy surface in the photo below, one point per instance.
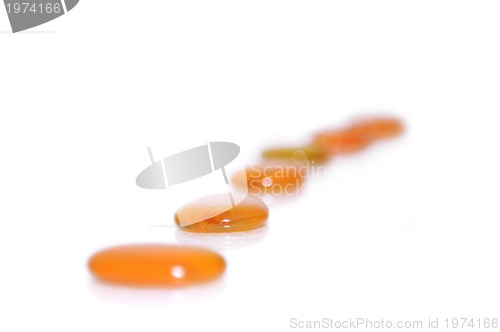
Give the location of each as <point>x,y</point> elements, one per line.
<point>271,178</point>
<point>297,155</point>
<point>156,265</point>
<point>249,214</point>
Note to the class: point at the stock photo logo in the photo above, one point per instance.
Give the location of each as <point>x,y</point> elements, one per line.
<point>26,14</point>
<point>192,164</point>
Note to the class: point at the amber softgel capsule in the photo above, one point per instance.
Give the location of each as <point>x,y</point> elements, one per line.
<point>211,215</point>
<point>378,128</point>
<point>340,141</point>
<point>274,178</point>
<point>358,135</point>
<point>156,265</point>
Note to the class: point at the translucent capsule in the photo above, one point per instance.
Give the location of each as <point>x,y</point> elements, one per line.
<point>156,265</point>
<point>210,215</point>
<point>271,178</point>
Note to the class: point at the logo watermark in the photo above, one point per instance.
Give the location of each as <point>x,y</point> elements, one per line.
<point>381,323</point>
<point>26,14</point>
<point>184,167</point>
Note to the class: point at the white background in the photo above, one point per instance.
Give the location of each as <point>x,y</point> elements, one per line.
<point>406,230</point>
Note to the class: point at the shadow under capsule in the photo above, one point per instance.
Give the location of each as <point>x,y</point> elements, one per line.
<point>143,294</point>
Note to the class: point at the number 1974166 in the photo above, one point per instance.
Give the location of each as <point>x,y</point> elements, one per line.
<point>33,8</point>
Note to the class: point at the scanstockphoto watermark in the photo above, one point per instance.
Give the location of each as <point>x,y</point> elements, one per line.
<point>354,323</point>
<point>368,323</point>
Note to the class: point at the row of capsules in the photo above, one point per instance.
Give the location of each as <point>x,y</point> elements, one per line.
<point>282,171</point>
<point>276,173</point>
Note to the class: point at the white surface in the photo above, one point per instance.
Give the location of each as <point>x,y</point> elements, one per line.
<point>407,230</point>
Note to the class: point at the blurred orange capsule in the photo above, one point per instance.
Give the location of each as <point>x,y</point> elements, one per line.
<point>340,141</point>
<point>156,265</point>
<point>378,128</point>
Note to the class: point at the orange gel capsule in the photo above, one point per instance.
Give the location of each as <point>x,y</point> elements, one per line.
<point>341,141</point>
<point>271,178</point>
<point>156,265</point>
<point>213,217</point>
<point>378,128</point>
